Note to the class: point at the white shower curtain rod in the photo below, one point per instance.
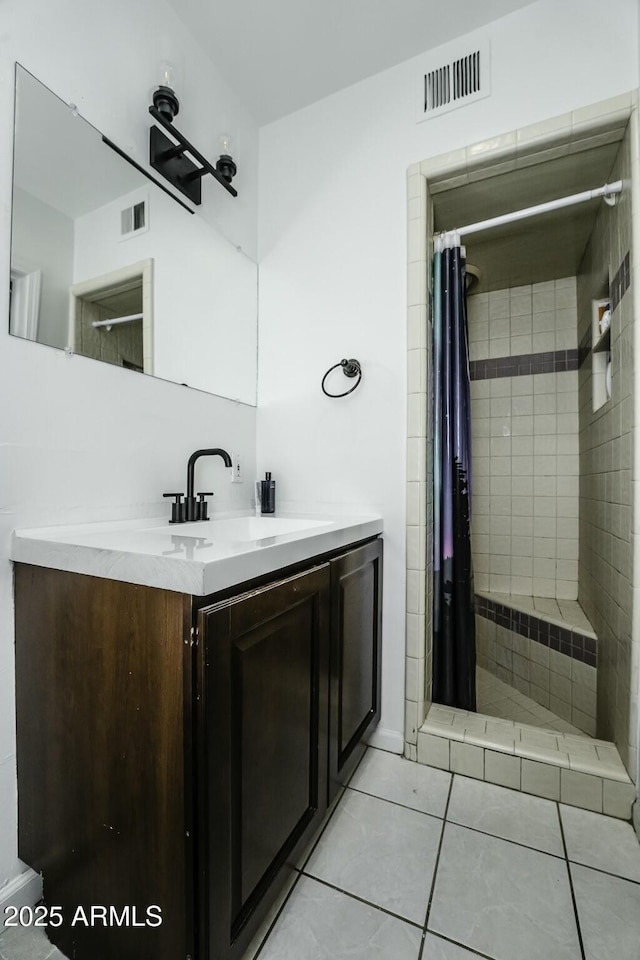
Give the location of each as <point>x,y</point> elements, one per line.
<point>608,190</point>
<point>115,320</point>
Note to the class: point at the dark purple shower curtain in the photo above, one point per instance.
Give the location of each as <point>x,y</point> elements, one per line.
<point>454,653</point>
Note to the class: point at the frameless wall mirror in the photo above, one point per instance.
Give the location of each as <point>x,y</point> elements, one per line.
<point>106,264</point>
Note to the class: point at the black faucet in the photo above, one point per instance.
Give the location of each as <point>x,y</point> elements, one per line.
<point>193,509</point>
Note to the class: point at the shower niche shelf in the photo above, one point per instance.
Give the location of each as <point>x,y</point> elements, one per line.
<point>603,344</point>
<point>600,352</point>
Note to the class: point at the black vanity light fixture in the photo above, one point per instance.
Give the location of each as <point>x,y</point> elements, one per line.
<point>170,159</point>
<point>225,165</point>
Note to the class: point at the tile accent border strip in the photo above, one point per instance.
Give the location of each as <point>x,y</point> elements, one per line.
<point>572,643</point>
<point>555,361</point>
<point>585,347</point>
<point>621,281</point>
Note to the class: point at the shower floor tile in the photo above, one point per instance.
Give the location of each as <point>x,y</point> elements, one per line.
<point>497,699</point>
<point>482,892</point>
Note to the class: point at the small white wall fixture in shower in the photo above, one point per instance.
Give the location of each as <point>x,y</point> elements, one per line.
<point>601,352</point>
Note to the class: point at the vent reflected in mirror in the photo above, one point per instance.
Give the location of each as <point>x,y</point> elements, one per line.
<point>106,264</point>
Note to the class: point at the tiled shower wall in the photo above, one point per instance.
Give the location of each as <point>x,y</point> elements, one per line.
<point>440,173</point>
<point>553,663</point>
<point>606,457</point>
<point>419,463</point>
<point>524,390</point>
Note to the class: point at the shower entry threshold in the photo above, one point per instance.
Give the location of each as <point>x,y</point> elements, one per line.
<point>568,767</point>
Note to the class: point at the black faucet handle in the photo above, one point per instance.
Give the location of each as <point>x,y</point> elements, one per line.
<point>177,509</point>
<point>202,505</point>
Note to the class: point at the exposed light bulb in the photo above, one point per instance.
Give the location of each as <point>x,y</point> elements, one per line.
<point>225,165</point>
<point>168,74</point>
<point>164,99</point>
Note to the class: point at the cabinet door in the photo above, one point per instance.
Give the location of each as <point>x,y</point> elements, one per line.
<point>262,735</point>
<point>104,689</point>
<point>356,631</point>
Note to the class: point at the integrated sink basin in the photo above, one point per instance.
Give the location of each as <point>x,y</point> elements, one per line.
<point>245,529</point>
<point>197,558</point>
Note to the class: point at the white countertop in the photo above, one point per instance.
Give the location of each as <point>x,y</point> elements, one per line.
<point>196,558</point>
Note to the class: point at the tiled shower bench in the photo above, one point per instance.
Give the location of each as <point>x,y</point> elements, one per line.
<point>545,648</point>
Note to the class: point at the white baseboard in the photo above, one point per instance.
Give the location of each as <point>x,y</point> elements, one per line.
<point>390,740</point>
<point>23,891</point>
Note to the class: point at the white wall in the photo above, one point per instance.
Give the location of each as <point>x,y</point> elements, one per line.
<point>635,165</point>
<point>80,439</point>
<point>332,242</point>
<point>205,299</point>
<point>43,236</point>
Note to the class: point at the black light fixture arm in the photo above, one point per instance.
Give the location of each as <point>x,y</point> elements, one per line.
<point>169,160</point>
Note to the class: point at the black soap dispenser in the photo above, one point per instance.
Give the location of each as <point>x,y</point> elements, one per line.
<point>268,494</point>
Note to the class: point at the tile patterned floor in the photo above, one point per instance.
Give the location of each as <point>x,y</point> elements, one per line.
<point>498,699</point>
<point>419,864</point>
<point>27,943</point>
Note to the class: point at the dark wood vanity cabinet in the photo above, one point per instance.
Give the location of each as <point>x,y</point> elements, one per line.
<point>180,752</point>
<point>263,665</point>
<point>104,689</point>
<point>356,634</point>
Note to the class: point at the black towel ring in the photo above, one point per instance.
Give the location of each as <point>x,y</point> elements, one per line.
<point>350,368</point>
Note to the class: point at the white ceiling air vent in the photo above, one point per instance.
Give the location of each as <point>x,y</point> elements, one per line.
<point>134,219</point>
<point>445,86</point>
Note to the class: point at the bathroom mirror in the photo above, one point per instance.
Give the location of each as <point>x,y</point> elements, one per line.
<point>105,263</point>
